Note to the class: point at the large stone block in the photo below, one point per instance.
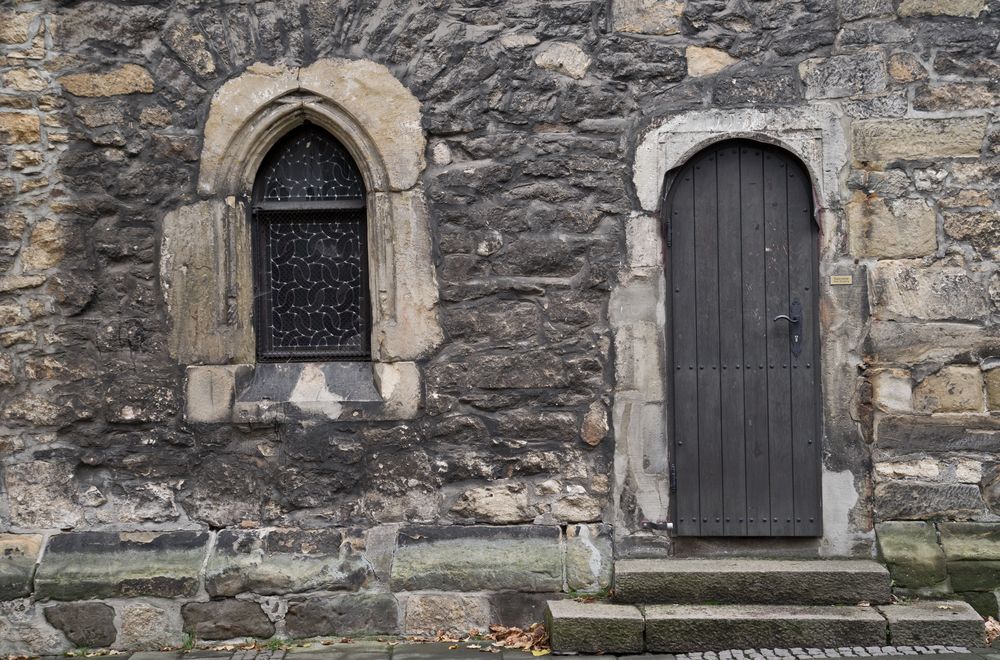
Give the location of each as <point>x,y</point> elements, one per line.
<point>906,289</point>
<point>891,228</point>
<point>970,541</point>
<point>974,575</point>
<point>981,229</point>
<point>128,79</point>
<point>565,58</point>
<point>226,619</point>
<point>84,624</point>
<point>911,550</point>
<point>149,626</point>
<point>844,75</point>
<point>594,627</point>
<point>707,61</point>
<point>343,615</point>
<point>25,632</point>
<point>920,500</point>
<point>902,434</point>
<point>965,8</point>
<point>914,139</point>
<point>19,128</point>
<point>284,561</point>
<point>661,17</point>
<point>954,388</point>
<point>986,603</point>
<point>427,614</point>
<point>83,565</point>
<point>926,623</point>
<point>18,554</point>
<point>517,558</point>
<point>495,504</point>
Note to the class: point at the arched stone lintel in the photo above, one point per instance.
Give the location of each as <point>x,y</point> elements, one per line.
<point>814,135</point>
<point>358,101</point>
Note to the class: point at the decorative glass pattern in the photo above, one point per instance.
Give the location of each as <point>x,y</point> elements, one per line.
<point>316,300</point>
<point>310,251</point>
<point>309,164</point>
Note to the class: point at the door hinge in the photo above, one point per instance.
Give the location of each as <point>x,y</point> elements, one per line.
<point>673,477</point>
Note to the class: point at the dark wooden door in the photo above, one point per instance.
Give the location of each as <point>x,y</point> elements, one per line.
<point>744,344</point>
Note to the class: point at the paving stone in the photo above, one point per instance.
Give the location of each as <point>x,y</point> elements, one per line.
<point>594,627</point>
<point>84,565</point>
<point>934,623</point>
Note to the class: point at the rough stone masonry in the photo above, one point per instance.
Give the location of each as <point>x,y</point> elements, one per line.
<point>511,443</point>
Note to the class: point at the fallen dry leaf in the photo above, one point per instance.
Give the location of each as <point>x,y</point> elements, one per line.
<point>992,630</point>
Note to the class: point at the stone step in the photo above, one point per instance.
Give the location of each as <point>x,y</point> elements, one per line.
<point>751,581</point>
<point>594,627</point>
<point>681,628</point>
<point>576,627</point>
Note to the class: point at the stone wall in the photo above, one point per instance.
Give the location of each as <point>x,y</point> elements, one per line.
<point>507,478</point>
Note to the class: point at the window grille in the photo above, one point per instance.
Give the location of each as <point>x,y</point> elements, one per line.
<point>310,252</point>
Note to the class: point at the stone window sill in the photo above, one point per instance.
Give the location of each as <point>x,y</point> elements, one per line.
<point>271,392</point>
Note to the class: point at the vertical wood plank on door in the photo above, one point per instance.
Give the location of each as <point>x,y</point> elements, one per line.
<point>684,357</point>
<point>755,330</point>
<point>778,350</point>
<point>706,236</point>
<point>804,387</point>
<point>734,485</point>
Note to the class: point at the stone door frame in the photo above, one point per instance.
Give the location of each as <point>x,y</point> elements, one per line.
<point>818,137</point>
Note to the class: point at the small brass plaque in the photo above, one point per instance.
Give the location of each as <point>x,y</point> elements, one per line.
<point>841,279</point>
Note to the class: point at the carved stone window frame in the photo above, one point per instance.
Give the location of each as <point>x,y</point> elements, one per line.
<point>205,267</point>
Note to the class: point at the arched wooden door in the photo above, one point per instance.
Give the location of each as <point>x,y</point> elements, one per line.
<point>744,344</point>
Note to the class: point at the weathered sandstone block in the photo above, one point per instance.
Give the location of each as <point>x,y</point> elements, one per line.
<point>284,561</point>
<point>911,550</point>
<point>910,139</point>
<point>519,558</point>
<point>83,565</point>
<point>955,388</point>
<point>128,79</point>
<point>343,614</point>
<point>18,554</point>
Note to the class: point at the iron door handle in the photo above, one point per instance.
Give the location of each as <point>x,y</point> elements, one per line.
<point>794,318</point>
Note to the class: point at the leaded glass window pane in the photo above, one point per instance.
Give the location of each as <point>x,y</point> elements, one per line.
<point>310,252</point>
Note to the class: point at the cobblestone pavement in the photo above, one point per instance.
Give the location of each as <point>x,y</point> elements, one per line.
<point>382,651</point>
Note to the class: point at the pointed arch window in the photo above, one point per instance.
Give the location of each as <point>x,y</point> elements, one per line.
<point>310,251</point>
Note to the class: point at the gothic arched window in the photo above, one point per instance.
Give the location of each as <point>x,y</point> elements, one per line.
<point>310,243</point>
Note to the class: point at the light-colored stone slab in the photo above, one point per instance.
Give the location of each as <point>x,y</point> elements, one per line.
<point>883,140</point>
